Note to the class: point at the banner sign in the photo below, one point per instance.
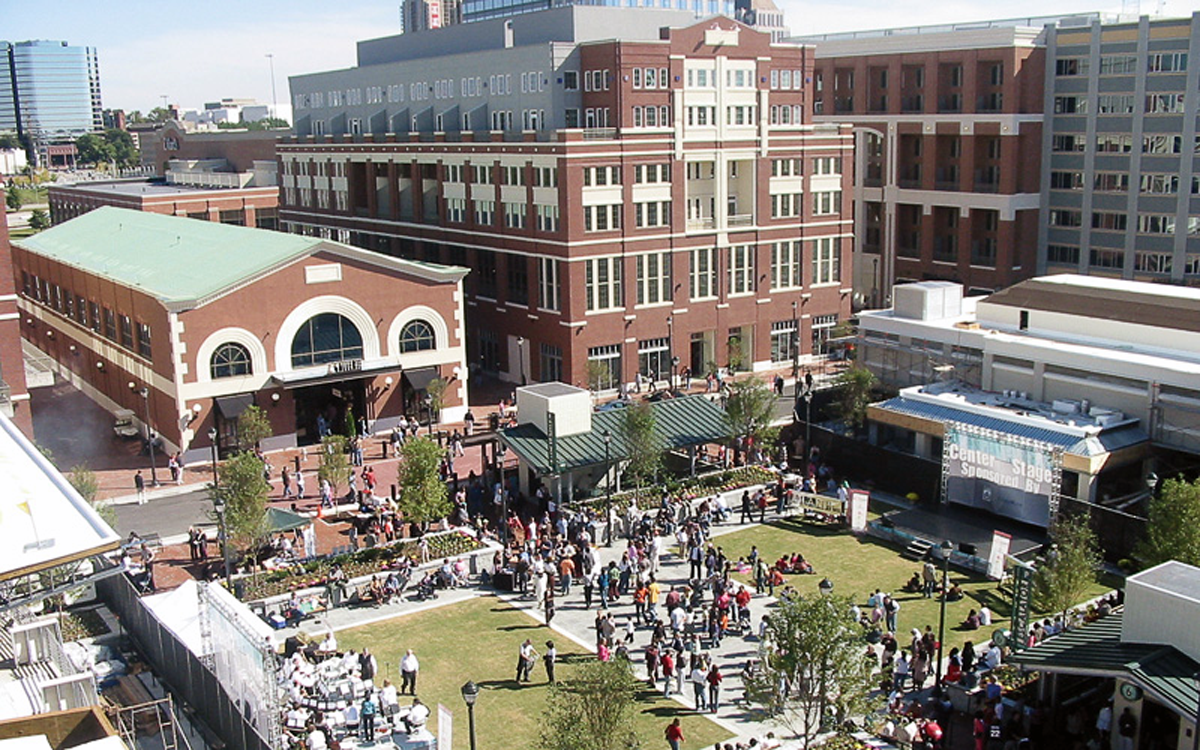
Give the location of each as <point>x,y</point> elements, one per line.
<point>1022,604</point>
<point>1005,475</point>
<point>857,512</point>
<point>1000,545</point>
<point>445,736</point>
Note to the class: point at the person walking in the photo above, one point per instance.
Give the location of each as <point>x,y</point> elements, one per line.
<point>409,666</point>
<point>714,686</point>
<point>549,659</point>
<point>674,735</point>
<point>699,680</point>
<point>139,484</point>
<point>367,713</point>
<point>548,605</point>
<point>667,661</point>
<point>299,484</point>
<point>928,579</point>
<point>747,510</point>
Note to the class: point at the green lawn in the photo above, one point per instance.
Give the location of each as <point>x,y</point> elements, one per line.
<point>478,640</point>
<point>32,195</point>
<point>859,566</point>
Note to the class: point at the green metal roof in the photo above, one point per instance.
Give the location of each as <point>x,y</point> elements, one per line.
<point>678,423</point>
<point>183,261</point>
<point>1097,649</point>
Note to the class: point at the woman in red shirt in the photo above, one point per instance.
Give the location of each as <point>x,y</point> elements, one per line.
<point>674,734</point>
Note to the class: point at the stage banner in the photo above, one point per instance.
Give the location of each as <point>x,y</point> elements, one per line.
<point>857,512</point>
<point>445,736</point>
<point>1009,476</point>
<point>1000,545</point>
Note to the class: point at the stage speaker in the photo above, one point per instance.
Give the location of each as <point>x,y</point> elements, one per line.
<point>967,549</point>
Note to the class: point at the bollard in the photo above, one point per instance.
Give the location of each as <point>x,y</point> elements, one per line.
<point>383,446</point>
<point>393,493</point>
<point>296,461</point>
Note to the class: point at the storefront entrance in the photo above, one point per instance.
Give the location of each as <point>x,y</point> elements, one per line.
<point>323,408</point>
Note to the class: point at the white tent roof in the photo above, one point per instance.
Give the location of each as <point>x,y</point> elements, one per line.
<point>45,521</point>
<point>179,610</point>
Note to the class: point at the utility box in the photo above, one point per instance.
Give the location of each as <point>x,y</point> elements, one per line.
<point>571,407</point>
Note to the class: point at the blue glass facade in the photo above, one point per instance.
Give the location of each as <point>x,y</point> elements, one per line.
<point>479,10</point>
<point>50,90</point>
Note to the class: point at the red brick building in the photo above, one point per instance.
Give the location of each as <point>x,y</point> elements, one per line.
<point>948,124</point>
<point>243,206</point>
<point>689,209</point>
<point>186,323</point>
<point>14,396</point>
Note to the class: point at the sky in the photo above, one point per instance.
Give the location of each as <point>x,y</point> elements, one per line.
<point>193,52</point>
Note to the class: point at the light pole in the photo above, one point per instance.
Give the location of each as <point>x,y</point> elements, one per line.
<point>671,347</point>
<point>223,538</point>
<point>607,436</point>
<point>805,392</point>
<point>274,102</point>
<point>825,586</point>
<point>875,282</point>
<point>501,454</point>
<point>212,447</point>
<point>521,356</point>
<point>470,692</point>
<point>145,394</point>
<point>947,548</point>
<point>674,370</point>
<point>429,412</point>
<point>796,342</point>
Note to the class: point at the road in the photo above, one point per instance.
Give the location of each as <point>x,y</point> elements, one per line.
<point>166,516</point>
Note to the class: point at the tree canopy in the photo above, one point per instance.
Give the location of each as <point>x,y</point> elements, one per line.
<point>39,220</point>
<point>423,494</point>
<point>855,386</point>
<point>1173,530</point>
<point>749,409</point>
<point>253,426</point>
<point>335,465</point>
<point>1067,573</point>
<point>592,710</point>
<point>108,146</point>
<point>244,492</point>
<point>644,452</point>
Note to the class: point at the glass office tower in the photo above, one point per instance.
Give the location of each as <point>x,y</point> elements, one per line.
<point>49,91</point>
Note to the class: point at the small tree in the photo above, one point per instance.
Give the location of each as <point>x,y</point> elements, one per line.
<point>737,354</point>
<point>855,386</point>
<point>594,710</point>
<point>750,409</point>
<point>599,375</point>
<point>423,496</point>
<point>815,670</point>
<point>1173,530</point>
<point>253,426</point>
<point>245,495</point>
<point>641,446</point>
<point>1062,580</point>
<point>13,199</point>
<point>87,484</point>
<point>436,390</point>
<point>39,220</point>
<point>351,425</point>
<point>335,465</point>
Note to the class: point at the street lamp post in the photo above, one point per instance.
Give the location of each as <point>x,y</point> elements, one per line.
<point>947,548</point>
<point>470,692</point>
<point>212,448</point>
<point>805,392</point>
<point>501,454</point>
<point>521,356</point>
<point>796,342</point>
<point>145,394</point>
<point>875,282</point>
<point>674,371</point>
<point>608,523</point>
<point>671,347</point>
<point>429,413</point>
<point>223,538</point>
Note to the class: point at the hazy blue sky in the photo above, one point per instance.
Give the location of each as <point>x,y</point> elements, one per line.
<point>196,51</point>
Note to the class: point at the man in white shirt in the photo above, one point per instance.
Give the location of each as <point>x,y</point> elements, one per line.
<point>408,673</point>
<point>417,716</point>
<point>993,657</point>
<point>316,740</point>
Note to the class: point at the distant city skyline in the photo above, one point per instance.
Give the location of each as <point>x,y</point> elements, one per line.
<point>222,52</point>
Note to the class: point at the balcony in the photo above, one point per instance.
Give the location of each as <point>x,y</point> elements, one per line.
<point>599,134</point>
<point>700,224</point>
<point>740,220</point>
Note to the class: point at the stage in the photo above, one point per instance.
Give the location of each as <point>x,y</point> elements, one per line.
<point>969,530</point>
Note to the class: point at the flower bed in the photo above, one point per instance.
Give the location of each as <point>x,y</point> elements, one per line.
<point>691,488</point>
<point>362,563</point>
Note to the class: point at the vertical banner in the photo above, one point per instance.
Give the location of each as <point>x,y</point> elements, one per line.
<point>1022,604</point>
<point>1000,545</point>
<point>857,512</point>
<point>445,736</point>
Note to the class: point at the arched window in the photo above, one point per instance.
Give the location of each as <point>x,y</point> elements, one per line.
<point>417,336</point>
<point>230,360</point>
<point>327,337</point>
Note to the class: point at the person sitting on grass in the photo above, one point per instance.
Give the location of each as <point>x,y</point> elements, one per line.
<point>972,621</point>
<point>914,585</point>
<point>801,566</point>
<point>955,593</point>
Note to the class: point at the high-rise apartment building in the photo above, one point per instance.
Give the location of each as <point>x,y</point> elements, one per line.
<point>635,192</point>
<point>426,15</point>
<point>481,10</point>
<point>1119,181</point>
<point>948,123</point>
<point>49,93</point>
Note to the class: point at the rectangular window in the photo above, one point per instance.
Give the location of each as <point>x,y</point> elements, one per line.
<point>485,212</point>
<point>514,215</point>
<point>1112,182</point>
<point>827,202</point>
<point>1113,143</point>
<point>126,331</point>
<point>1114,104</point>
<point>785,205</point>
<point>110,325</point>
<point>552,363</point>
<point>571,80</point>
<point>1164,104</point>
<point>1162,144</point>
<point>1065,217</point>
<point>602,282</point>
<point>601,218</point>
<point>1065,143</point>
<point>703,273</point>
<point>94,316</point>
<point>652,214</point>
<point>1071,66</point>
<point>608,375</point>
<point>545,177</point>
<point>1107,258</point>
<point>143,340</point>
<point>512,175</point>
<point>1152,262</point>
<point>1062,254</point>
<point>456,210</point>
<point>1167,62</point>
<point>1156,224</point>
<point>518,279</point>
<point>654,358</point>
<point>81,316</point>
<point>548,284</point>
<point>741,269</point>
<point>786,270</point>
<point>1159,184</point>
<point>485,273</point>
<point>826,260</point>
<point>1118,65</point>
<point>653,278</point>
<point>1113,222</point>
<point>1066,180</point>
<point>547,218</point>
<point>783,340</point>
<point>1070,105</point>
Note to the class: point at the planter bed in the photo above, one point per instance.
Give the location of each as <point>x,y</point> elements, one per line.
<point>691,488</point>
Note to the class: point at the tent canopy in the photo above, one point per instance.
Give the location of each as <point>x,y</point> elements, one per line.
<point>280,519</point>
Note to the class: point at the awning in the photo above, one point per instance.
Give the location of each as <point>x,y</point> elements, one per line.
<point>231,407</point>
<point>334,372</point>
<point>421,377</point>
<point>280,519</point>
